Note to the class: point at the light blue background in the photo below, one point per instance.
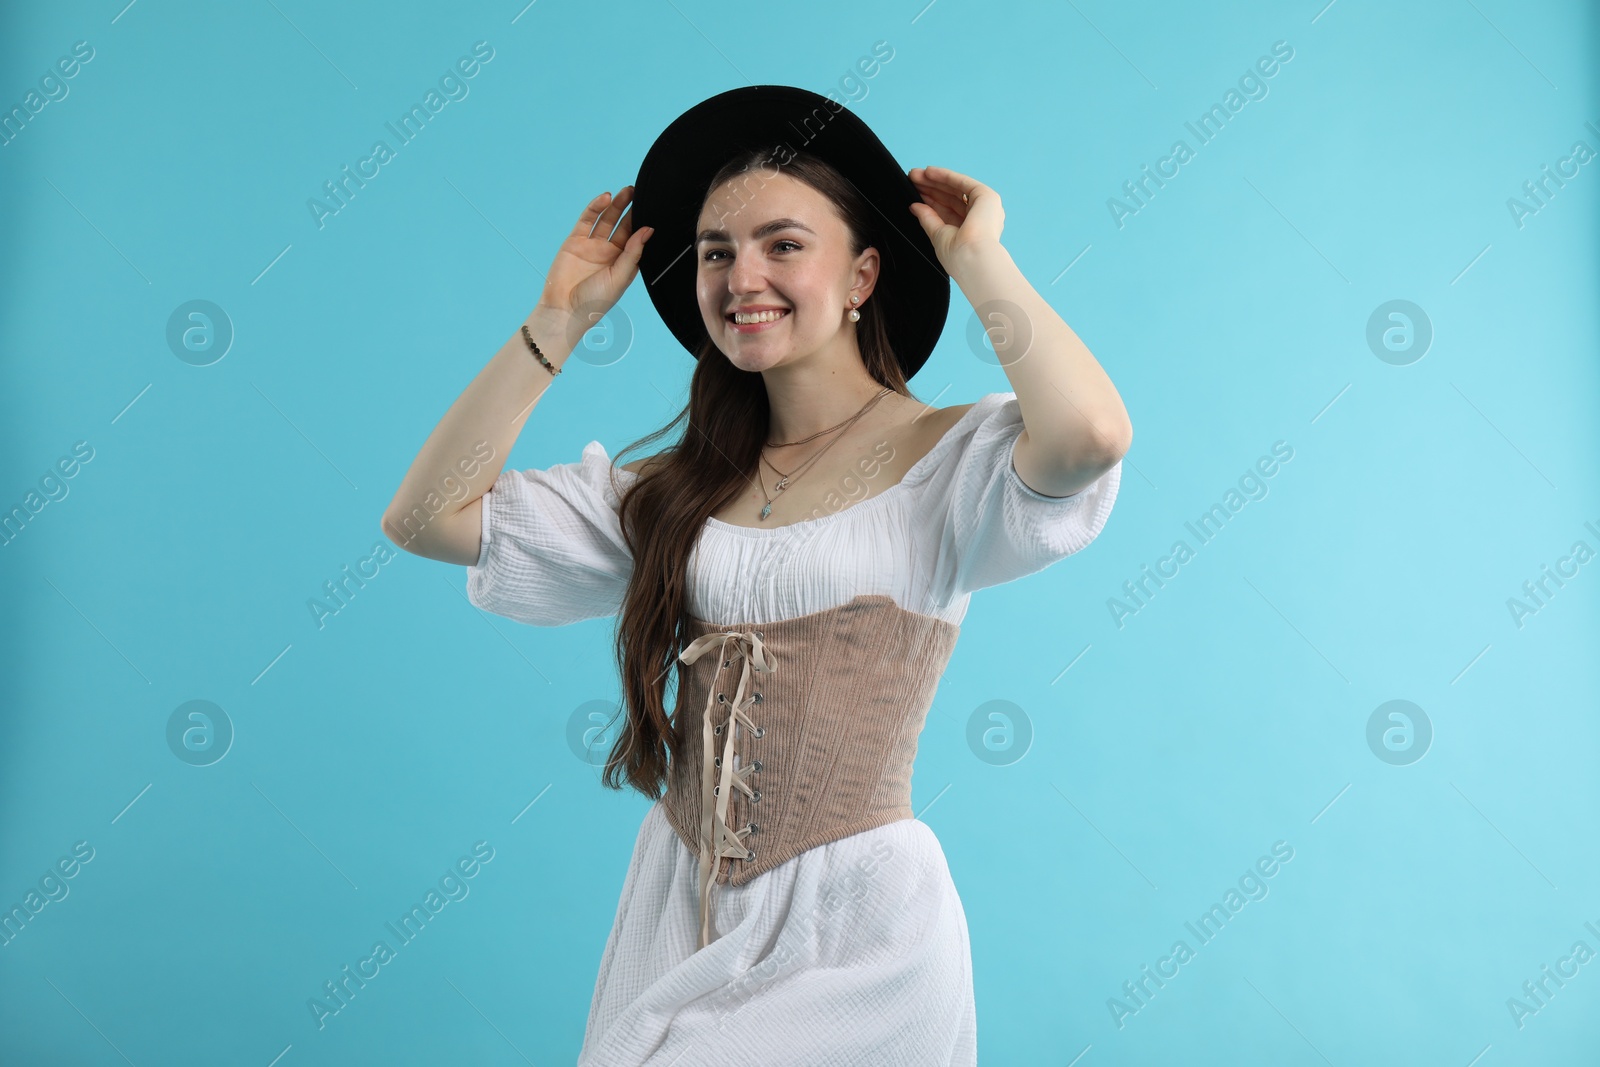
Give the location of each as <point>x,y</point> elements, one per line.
<point>1229,714</point>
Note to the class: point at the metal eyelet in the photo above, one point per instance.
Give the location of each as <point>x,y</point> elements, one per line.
<point>716,790</point>
<point>754,796</point>
<point>716,729</point>
<point>761,731</point>
<point>755,765</point>
<point>750,855</point>
<point>753,828</point>
<point>722,698</point>
<point>724,663</point>
<point>758,698</point>
<point>760,634</point>
<point>718,761</point>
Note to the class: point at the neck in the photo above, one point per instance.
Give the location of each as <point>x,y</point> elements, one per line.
<point>809,395</point>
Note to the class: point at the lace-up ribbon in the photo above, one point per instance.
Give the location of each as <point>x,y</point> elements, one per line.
<point>718,841</point>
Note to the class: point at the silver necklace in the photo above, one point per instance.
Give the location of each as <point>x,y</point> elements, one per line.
<point>785,480</point>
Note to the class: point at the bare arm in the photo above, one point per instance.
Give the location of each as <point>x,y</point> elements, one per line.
<point>1075,426</point>
<point>438,510</point>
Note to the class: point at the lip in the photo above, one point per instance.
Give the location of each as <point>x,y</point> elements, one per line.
<point>756,327</point>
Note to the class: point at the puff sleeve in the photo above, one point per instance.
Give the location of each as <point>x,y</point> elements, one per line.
<point>989,526</point>
<point>552,551</point>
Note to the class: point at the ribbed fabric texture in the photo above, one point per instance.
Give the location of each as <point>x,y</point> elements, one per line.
<point>840,717</point>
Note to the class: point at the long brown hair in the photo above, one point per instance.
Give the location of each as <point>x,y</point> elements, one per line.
<point>663,512</point>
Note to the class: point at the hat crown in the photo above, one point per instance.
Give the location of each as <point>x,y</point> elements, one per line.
<point>913,289</point>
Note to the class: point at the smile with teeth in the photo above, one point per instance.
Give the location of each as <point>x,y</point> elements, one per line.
<point>742,319</point>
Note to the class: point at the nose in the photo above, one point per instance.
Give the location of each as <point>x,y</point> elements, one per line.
<point>746,276</point>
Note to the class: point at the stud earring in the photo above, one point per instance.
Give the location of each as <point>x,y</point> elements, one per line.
<point>855,316</point>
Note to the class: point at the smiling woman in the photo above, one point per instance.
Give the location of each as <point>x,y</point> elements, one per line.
<point>779,266</point>
<point>783,904</point>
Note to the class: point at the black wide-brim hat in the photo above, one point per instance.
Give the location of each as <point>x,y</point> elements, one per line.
<point>913,288</point>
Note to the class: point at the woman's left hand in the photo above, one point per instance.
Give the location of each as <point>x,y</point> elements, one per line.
<point>958,213</point>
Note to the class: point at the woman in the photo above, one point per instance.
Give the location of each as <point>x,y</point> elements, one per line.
<point>797,564</point>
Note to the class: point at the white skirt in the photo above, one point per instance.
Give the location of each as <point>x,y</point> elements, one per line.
<point>854,952</point>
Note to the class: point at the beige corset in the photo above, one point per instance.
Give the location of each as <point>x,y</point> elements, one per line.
<point>823,713</point>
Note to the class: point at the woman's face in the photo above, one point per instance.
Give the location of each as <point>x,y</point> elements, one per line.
<point>766,240</point>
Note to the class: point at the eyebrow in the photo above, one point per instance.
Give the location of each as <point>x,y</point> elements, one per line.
<point>763,230</point>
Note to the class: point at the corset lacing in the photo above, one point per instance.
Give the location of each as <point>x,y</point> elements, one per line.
<point>718,841</point>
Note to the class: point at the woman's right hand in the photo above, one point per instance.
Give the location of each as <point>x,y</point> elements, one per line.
<point>591,271</point>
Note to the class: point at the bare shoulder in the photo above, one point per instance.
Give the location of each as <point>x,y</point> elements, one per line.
<point>924,427</point>
<point>637,465</point>
<point>934,423</point>
<point>952,415</point>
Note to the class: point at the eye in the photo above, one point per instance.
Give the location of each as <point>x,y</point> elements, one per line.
<point>716,251</point>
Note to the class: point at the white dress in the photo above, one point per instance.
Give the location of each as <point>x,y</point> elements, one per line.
<point>854,952</point>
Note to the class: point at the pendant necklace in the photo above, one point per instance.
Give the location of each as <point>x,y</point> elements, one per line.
<point>784,480</point>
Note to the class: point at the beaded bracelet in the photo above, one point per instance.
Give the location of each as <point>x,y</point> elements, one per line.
<point>528,337</point>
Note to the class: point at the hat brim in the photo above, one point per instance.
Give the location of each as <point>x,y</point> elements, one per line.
<point>913,288</point>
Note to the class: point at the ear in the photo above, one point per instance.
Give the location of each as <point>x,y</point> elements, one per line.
<point>868,264</point>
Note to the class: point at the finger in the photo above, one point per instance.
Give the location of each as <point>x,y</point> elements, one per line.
<point>956,203</point>
<point>635,248</point>
<point>945,174</point>
<point>929,176</point>
<point>951,202</point>
<point>956,180</point>
<point>945,213</point>
<point>935,174</point>
<point>590,214</point>
<point>613,211</point>
<point>947,192</point>
<point>624,229</point>
<point>929,224</point>
<point>926,180</point>
<point>940,190</point>
<point>932,218</point>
